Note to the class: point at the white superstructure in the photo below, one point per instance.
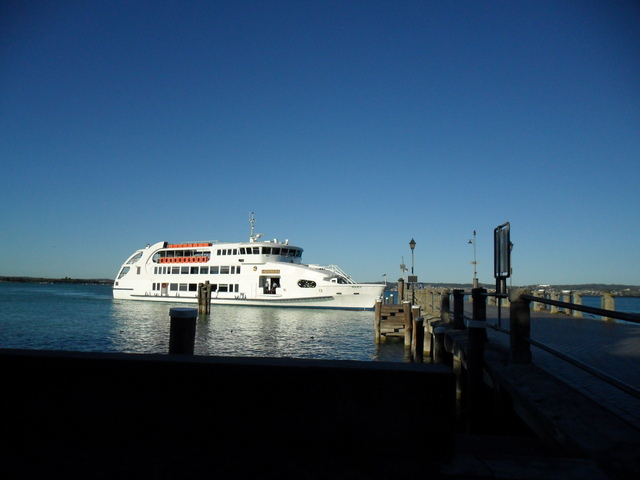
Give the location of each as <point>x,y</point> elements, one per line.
<point>266,273</point>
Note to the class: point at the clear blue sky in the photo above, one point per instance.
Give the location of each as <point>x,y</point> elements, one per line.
<point>347,127</point>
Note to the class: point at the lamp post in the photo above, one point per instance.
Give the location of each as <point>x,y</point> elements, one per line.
<point>475,272</point>
<point>412,244</point>
<point>412,279</point>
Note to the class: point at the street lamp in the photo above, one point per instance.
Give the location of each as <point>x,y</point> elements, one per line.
<point>475,273</point>
<point>412,244</point>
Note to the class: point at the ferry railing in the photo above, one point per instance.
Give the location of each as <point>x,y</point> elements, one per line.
<point>520,323</point>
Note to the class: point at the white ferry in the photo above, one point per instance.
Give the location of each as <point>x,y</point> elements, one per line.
<point>264,273</point>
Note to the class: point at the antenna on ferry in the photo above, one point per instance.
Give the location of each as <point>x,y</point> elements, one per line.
<point>254,236</point>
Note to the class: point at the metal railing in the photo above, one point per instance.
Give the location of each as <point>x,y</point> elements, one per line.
<point>520,321</point>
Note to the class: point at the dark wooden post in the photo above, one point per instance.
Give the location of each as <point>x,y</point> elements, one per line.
<point>477,329</point>
<point>182,333</point>
<point>417,345</point>
<point>400,290</point>
<point>458,309</point>
<point>204,298</point>
<point>378,320</point>
<point>408,324</point>
<point>439,352</point>
<point>520,325</point>
<point>445,305</point>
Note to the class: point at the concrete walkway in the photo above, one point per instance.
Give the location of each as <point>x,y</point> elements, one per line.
<point>611,347</point>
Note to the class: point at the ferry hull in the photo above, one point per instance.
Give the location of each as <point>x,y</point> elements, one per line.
<point>322,302</point>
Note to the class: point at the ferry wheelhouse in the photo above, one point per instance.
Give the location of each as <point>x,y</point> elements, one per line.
<point>265,273</point>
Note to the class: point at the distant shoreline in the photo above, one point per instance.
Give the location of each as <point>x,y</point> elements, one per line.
<point>83,281</point>
<point>589,289</point>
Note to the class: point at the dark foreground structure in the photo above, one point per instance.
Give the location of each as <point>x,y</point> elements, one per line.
<point>90,415</point>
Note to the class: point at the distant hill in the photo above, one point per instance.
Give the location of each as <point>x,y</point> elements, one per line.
<point>619,290</point>
<point>83,281</point>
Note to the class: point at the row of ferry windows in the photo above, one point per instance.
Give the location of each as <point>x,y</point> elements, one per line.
<point>193,287</point>
<point>232,270</point>
<point>285,252</point>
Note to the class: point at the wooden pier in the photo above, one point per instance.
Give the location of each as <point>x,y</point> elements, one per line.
<point>504,377</point>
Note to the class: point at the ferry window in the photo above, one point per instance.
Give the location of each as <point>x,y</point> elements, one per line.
<point>214,270</point>
<point>175,270</point>
<point>214,287</point>
<point>306,284</point>
<point>223,288</point>
<point>184,270</point>
<point>284,251</point>
<point>173,287</point>
<point>204,270</point>
<point>193,287</point>
<point>194,270</point>
<point>233,269</point>
<point>224,270</point>
<point>219,252</point>
<point>183,287</point>
<point>275,251</point>
<point>135,258</point>
<point>224,252</point>
<point>138,270</point>
<point>235,251</point>
<point>266,250</point>
<point>298,253</point>
<point>123,272</point>
<point>256,250</point>
<point>238,269</point>
<point>241,250</point>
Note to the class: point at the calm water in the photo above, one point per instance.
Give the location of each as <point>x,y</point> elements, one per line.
<point>87,318</point>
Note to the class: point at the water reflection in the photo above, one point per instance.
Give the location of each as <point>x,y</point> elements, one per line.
<point>86,318</point>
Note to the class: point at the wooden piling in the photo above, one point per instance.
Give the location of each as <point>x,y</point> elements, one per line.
<point>445,306</point>
<point>408,324</point>
<point>417,344</point>
<point>458,309</point>
<point>378,321</point>
<point>477,329</point>
<point>204,298</point>
<point>182,333</point>
<point>439,351</point>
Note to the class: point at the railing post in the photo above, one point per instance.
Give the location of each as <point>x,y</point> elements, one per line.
<point>458,309</point>
<point>444,307</point>
<point>566,297</point>
<point>537,306</point>
<point>577,300</point>
<point>608,302</point>
<point>475,357</point>
<point>520,324</point>
<point>554,296</point>
<point>182,333</point>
